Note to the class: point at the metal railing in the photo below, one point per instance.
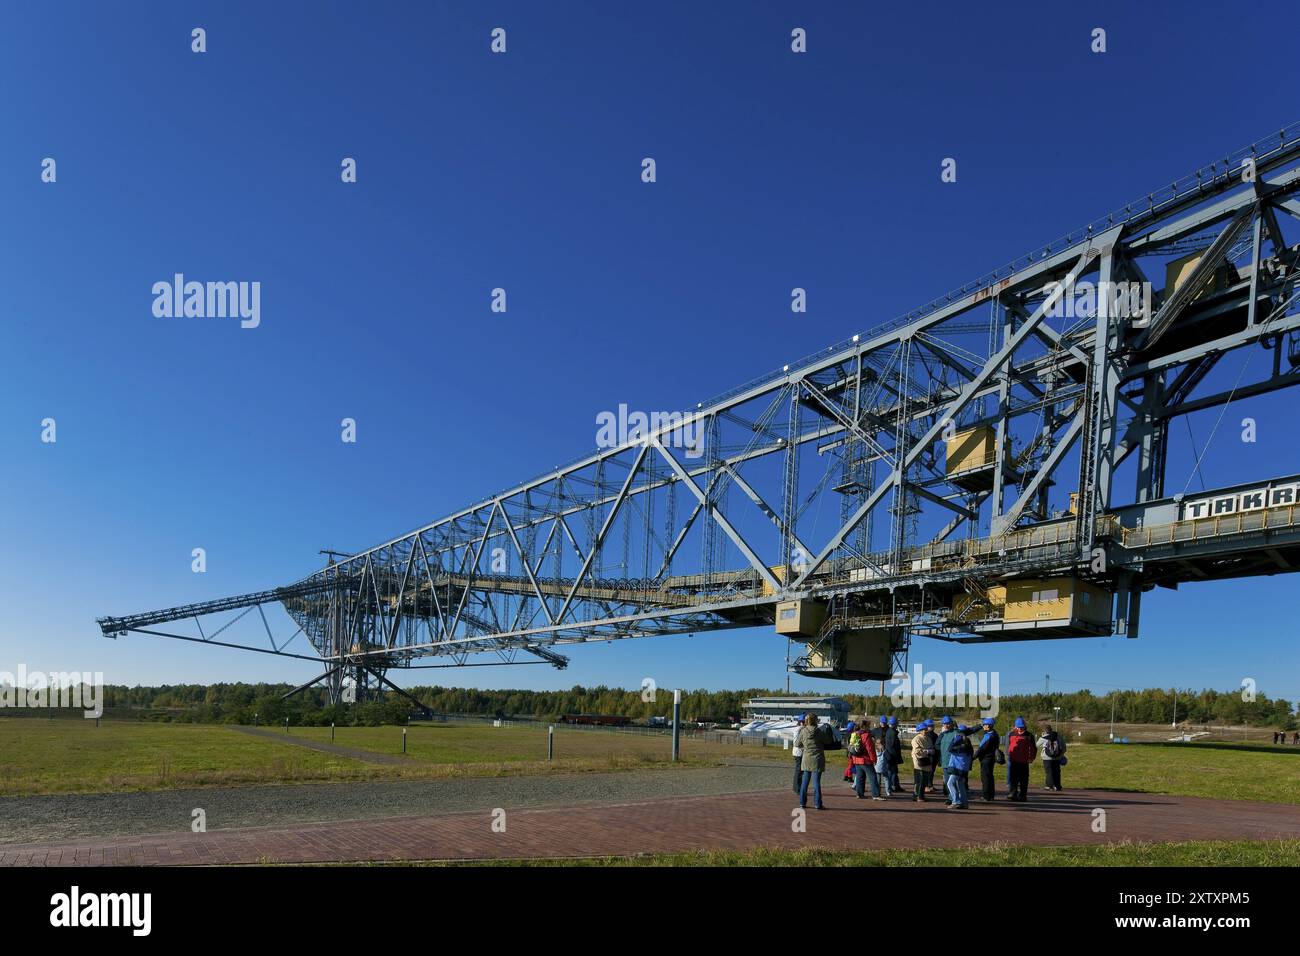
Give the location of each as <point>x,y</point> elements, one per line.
<point>1217,526</point>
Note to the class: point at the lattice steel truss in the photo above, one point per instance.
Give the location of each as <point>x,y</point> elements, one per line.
<point>828,479</point>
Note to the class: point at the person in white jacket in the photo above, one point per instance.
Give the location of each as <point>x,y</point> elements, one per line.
<point>1051,746</point>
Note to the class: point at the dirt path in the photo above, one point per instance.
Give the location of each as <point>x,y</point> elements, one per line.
<point>369,756</point>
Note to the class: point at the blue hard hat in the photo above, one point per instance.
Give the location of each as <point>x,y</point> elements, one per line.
<point>850,726</point>
<point>927,722</point>
<point>893,721</point>
<point>920,727</point>
<point>1020,722</point>
<point>988,721</point>
<point>945,720</point>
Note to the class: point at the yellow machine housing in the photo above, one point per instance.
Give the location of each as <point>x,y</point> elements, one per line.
<point>853,655</point>
<point>972,448</point>
<point>802,618</point>
<point>1056,599</point>
<point>1179,271</point>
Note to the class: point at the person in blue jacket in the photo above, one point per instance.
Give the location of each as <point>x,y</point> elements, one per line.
<point>946,734</point>
<point>957,768</point>
<point>878,735</point>
<point>986,755</point>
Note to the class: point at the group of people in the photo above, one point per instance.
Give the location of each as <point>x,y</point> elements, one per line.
<point>875,753</point>
<point>1279,737</point>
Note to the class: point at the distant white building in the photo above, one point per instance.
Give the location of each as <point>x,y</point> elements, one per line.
<point>778,717</point>
<point>833,709</point>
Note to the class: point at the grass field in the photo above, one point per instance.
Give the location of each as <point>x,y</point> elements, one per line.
<point>1226,771</point>
<point>1202,853</point>
<point>60,756</point>
<point>63,756</point>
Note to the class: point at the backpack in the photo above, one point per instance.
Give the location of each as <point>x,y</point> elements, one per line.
<point>1052,748</point>
<point>826,737</point>
<point>1020,745</point>
<point>855,745</point>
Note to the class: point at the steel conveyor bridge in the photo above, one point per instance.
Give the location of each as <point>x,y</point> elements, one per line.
<point>949,474</point>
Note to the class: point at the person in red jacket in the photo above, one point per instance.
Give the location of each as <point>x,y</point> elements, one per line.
<point>849,728</point>
<point>1021,751</point>
<point>862,760</point>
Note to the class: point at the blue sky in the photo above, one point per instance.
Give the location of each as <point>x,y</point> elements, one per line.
<point>523,171</point>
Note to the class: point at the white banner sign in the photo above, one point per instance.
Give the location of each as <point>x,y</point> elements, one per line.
<point>1232,502</point>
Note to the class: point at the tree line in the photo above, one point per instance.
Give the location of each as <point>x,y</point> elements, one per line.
<point>264,704</point>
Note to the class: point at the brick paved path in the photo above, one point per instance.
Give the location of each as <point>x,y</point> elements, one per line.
<point>738,822</point>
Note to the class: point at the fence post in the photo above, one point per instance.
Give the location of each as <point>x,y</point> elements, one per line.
<point>677,725</point>
<point>550,742</point>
